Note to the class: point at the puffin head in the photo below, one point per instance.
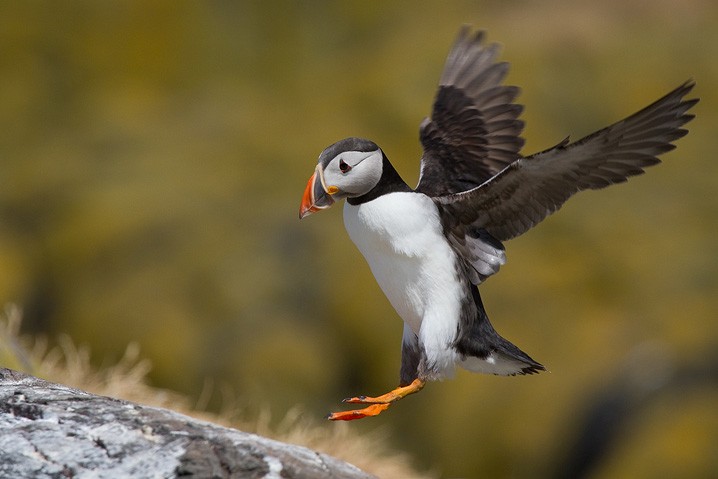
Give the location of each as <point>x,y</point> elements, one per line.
<point>347,169</point>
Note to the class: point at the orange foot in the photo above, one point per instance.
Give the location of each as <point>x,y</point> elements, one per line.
<point>376,404</point>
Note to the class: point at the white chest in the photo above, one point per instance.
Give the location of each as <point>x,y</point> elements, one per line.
<point>401,238</point>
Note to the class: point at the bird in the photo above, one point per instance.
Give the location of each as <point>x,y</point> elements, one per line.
<point>432,246</point>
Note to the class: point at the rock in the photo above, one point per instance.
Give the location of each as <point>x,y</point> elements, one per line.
<point>52,431</point>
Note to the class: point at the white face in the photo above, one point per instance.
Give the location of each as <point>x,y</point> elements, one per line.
<point>353,173</point>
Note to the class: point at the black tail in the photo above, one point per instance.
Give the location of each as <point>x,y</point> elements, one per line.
<point>477,338</point>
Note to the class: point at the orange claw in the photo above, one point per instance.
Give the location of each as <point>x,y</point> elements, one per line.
<point>373,410</point>
<point>391,396</point>
<point>377,404</point>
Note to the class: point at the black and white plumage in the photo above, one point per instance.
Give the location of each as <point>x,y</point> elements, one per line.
<point>430,247</point>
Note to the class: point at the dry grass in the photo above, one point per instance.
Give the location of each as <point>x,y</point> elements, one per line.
<point>68,364</point>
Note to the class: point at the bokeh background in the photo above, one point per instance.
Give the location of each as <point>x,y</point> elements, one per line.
<point>152,160</point>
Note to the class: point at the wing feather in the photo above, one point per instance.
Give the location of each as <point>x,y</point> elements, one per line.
<point>529,189</point>
<point>474,130</point>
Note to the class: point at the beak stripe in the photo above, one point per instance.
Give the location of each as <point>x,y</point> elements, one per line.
<point>320,172</point>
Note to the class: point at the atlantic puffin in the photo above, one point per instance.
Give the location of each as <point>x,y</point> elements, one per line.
<point>430,247</point>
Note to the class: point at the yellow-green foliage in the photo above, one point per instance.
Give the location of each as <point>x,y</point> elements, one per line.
<point>152,160</point>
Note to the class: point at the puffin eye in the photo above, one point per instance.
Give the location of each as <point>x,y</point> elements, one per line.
<point>343,166</point>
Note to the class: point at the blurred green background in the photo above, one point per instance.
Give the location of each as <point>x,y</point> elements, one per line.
<point>152,161</point>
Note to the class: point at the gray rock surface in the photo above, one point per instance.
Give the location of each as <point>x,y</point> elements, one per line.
<point>52,431</point>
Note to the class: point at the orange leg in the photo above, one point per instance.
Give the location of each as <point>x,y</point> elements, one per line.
<point>376,404</point>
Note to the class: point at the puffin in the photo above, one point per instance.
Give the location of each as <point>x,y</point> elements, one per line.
<point>431,247</point>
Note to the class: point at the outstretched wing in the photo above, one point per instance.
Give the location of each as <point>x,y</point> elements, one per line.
<point>473,132</point>
<point>530,189</point>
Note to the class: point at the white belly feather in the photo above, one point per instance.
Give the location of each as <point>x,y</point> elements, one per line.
<point>401,238</point>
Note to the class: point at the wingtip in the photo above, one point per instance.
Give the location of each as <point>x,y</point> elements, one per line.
<point>683,90</point>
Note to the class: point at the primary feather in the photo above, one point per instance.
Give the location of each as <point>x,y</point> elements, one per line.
<point>531,188</point>
<point>473,132</point>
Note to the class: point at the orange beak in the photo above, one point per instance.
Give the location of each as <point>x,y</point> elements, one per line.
<point>315,197</point>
